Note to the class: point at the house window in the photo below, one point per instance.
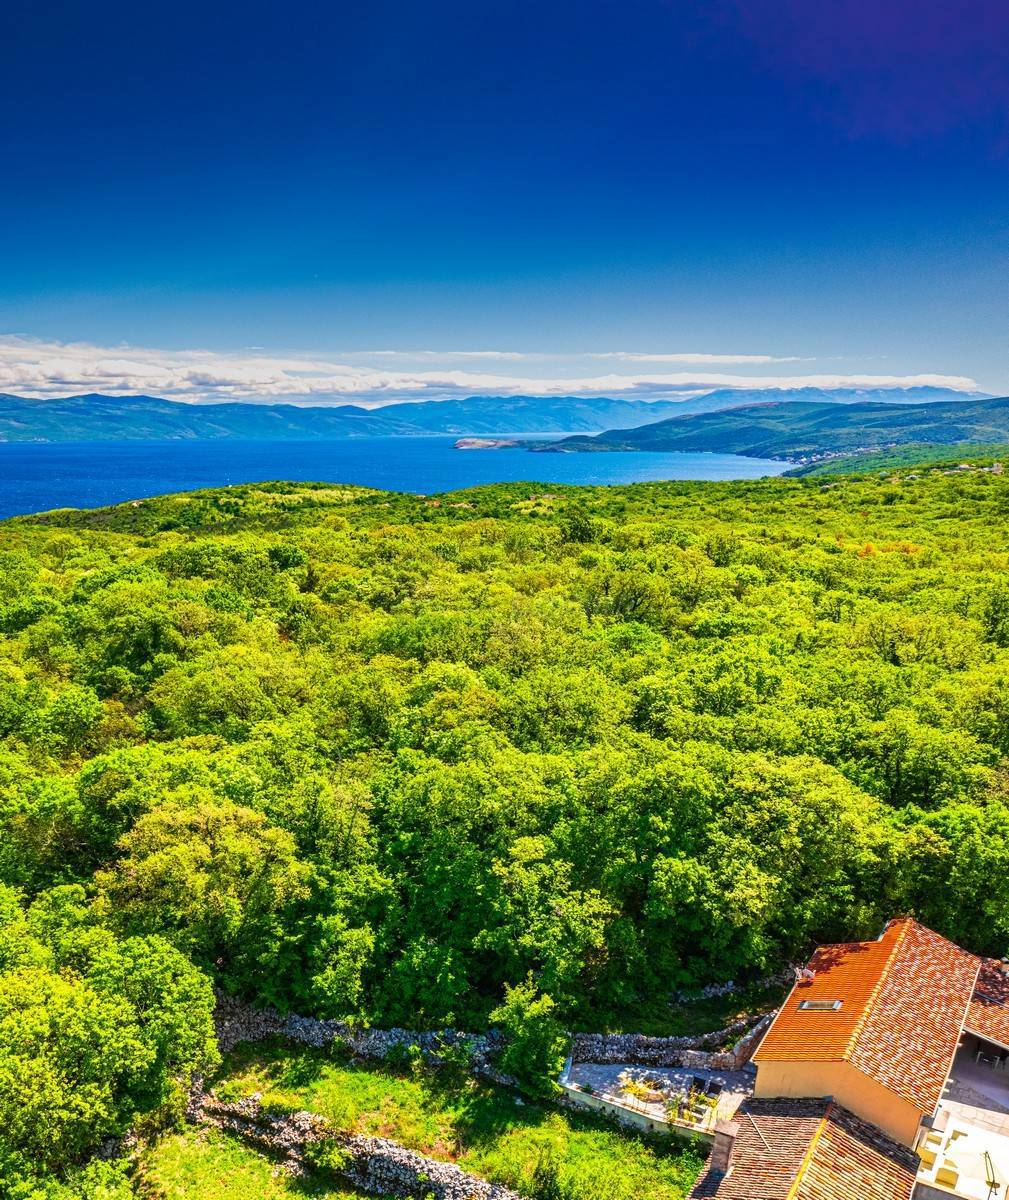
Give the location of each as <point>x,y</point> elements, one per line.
<point>820,1005</point>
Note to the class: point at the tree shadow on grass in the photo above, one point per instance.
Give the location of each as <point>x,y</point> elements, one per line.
<point>326,1183</point>
<point>302,1069</point>
<point>484,1115</point>
<point>282,1064</point>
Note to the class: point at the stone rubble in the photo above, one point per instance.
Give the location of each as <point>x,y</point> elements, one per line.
<point>238,1022</point>
<point>372,1164</point>
<point>379,1165</point>
<point>669,1051</point>
<point>716,990</point>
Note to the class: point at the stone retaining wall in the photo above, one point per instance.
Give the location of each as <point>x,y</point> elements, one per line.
<point>667,1051</point>
<point>373,1164</point>
<point>238,1022</point>
<point>714,990</point>
<point>745,1048</point>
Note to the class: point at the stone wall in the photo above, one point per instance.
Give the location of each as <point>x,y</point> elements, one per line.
<point>655,1051</point>
<point>713,990</point>
<point>674,1051</point>
<point>237,1022</point>
<point>372,1164</point>
<point>744,1049</point>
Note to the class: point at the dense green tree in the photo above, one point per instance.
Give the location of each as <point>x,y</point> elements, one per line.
<point>381,756</point>
<point>213,877</point>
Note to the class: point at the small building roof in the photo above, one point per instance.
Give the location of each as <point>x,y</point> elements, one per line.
<point>893,1008</point>
<point>988,1012</point>
<point>809,1150</point>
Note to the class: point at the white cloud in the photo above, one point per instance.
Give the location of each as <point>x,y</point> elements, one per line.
<point>508,355</point>
<point>32,367</point>
<point>724,360</point>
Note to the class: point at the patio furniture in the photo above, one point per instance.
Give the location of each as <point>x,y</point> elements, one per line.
<point>948,1175</point>
<point>991,1060</point>
<point>970,1157</point>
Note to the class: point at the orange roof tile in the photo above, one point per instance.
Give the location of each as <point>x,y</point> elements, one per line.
<point>988,1012</point>
<point>852,1158</point>
<point>809,1150</point>
<point>903,1002</point>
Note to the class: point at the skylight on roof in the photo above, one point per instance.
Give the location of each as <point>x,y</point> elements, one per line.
<point>819,1005</point>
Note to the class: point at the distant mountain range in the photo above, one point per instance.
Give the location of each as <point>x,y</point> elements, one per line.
<point>96,417</point>
<point>801,431</point>
<point>117,418</point>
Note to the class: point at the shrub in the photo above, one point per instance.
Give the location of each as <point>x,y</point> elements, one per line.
<point>536,1042</point>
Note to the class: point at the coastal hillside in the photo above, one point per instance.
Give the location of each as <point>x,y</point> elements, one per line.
<point>545,757</point>
<point>129,418</point>
<point>802,430</point>
<point>96,417</point>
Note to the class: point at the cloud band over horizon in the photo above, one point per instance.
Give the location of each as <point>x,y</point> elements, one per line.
<point>47,369</point>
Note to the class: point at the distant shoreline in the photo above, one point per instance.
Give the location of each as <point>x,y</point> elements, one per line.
<point>35,477</point>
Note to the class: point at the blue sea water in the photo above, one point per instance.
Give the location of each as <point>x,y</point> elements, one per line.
<point>37,477</point>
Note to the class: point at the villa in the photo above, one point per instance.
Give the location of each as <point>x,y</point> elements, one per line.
<point>883,1076</point>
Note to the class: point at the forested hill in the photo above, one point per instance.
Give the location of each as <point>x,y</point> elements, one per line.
<point>95,417</point>
<point>382,756</point>
<point>796,430</point>
<point>120,418</point>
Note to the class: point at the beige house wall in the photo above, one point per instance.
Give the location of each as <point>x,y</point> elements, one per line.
<point>863,1096</point>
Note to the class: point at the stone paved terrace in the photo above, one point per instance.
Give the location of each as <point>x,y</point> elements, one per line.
<point>975,1092</point>
<point>605,1080</point>
<point>974,1112</point>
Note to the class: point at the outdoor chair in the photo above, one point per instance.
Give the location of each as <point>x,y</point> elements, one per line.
<point>948,1175</point>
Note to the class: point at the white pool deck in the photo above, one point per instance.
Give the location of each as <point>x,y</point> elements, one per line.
<point>975,1102</point>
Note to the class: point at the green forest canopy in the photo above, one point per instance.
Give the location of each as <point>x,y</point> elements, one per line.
<point>374,755</point>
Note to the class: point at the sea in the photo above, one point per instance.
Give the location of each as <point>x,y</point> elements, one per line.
<point>36,477</point>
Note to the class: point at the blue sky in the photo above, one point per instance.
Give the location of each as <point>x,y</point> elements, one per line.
<point>224,200</point>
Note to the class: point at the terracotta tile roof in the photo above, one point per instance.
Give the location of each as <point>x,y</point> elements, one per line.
<point>903,1001</point>
<point>773,1138</point>
<point>988,1012</point>
<point>809,1150</point>
<point>852,1158</point>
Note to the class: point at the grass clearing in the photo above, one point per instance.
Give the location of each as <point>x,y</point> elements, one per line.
<point>208,1165</point>
<point>483,1129</point>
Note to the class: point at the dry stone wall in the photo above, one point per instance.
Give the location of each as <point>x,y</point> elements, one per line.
<point>372,1164</point>
<point>384,1167</point>
<point>237,1022</point>
<point>745,1048</point>
<point>671,1051</point>
<point>714,990</point>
